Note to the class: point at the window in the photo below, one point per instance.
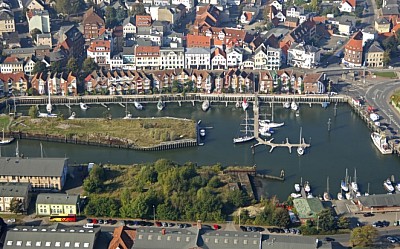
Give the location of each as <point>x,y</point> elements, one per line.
<point>39,243</point>
<point>77,244</point>
<point>58,244</point>
<point>67,244</point>
<point>48,243</point>
<point>9,243</point>
<point>86,244</point>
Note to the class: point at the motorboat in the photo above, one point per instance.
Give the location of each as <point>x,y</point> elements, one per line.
<point>300,151</point>
<point>339,196</point>
<point>237,105</point>
<point>294,106</point>
<point>205,105</point>
<point>348,196</point>
<point>202,132</point>
<point>245,104</point>
<point>128,116</point>
<point>270,124</point>
<point>297,113</point>
<point>307,187</point>
<point>138,105</point>
<point>297,187</point>
<point>73,115</point>
<point>160,105</point>
<point>6,140</point>
<point>358,194</point>
<point>397,187</point>
<point>295,195</point>
<point>83,106</point>
<point>366,194</point>
<point>344,186</point>
<point>309,196</point>
<point>381,143</point>
<point>388,186</point>
<point>377,123</point>
<point>374,117</point>
<point>327,197</point>
<point>47,115</point>
<point>264,132</point>
<point>286,105</point>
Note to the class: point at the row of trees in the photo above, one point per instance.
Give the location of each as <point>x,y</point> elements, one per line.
<point>175,192</point>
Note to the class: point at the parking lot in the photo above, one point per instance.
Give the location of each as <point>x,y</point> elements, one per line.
<point>329,44</point>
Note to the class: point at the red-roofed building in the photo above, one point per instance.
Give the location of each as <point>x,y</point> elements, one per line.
<point>123,238</point>
<point>147,57</point>
<point>100,51</point>
<point>218,59</point>
<point>16,83</point>
<point>92,23</point>
<point>198,41</point>
<point>12,64</point>
<point>353,51</point>
<point>347,6</point>
<point>143,21</point>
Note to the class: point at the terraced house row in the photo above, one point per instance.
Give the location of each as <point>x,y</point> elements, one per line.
<point>116,82</point>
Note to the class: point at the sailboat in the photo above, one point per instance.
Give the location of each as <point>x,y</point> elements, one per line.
<point>49,107</point>
<point>73,115</point>
<point>128,115</point>
<point>245,104</point>
<point>354,185</point>
<point>83,106</point>
<point>160,105</point>
<point>205,105</point>
<point>344,184</point>
<point>367,193</point>
<point>270,123</point>
<point>294,106</point>
<point>300,149</point>
<point>327,197</point>
<point>6,140</point>
<point>247,136</point>
<point>340,196</point>
<point>307,187</point>
<point>286,105</point>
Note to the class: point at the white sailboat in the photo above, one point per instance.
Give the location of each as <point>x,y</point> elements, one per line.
<point>128,115</point>
<point>297,187</point>
<point>340,196</point>
<point>160,105</point>
<point>73,115</point>
<point>49,107</point>
<point>294,106</point>
<point>47,115</point>
<point>307,187</point>
<point>295,195</point>
<point>343,184</point>
<point>286,105</point>
<point>367,193</point>
<point>6,140</point>
<point>327,196</point>
<point>138,105</point>
<point>354,185</point>
<point>205,105</point>
<point>300,149</point>
<point>245,137</point>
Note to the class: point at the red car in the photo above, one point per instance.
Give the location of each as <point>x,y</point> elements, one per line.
<point>158,223</point>
<point>95,221</point>
<point>216,227</point>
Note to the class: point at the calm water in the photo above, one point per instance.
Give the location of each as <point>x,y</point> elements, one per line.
<point>347,145</point>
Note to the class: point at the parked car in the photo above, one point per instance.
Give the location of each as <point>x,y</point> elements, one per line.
<point>100,221</point>
<point>391,240</point>
<point>89,220</point>
<point>158,224</point>
<point>368,214</point>
<point>329,239</point>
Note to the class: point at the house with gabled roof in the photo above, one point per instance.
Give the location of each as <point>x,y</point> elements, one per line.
<point>123,238</point>
<point>347,6</point>
<point>12,64</point>
<point>314,83</point>
<point>202,81</point>
<point>265,82</point>
<point>17,83</point>
<point>70,40</point>
<point>374,55</point>
<point>218,59</point>
<point>162,80</point>
<point>93,23</point>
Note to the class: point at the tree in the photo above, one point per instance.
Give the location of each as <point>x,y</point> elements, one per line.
<point>33,92</point>
<point>89,65</point>
<point>16,206</point>
<point>33,111</point>
<point>314,5</point>
<point>35,32</point>
<point>72,65</point>
<point>121,15</point>
<point>280,217</point>
<point>56,67</point>
<point>111,17</point>
<point>95,182</point>
<point>69,6</point>
<point>137,9</point>
<point>386,58</point>
<point>363,236</point>
<point>326,221</point>
<point>237,198</point>
<point>390,44</point>
<point>343,222</point>
<point>39,67</point>
<point>379,3</point>
<point>266,12</point>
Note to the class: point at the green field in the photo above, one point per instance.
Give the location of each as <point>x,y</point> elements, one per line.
<point>140,132</point>
<point>391,75</point>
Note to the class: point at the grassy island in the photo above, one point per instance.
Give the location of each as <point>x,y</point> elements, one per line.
<point>143,132</point>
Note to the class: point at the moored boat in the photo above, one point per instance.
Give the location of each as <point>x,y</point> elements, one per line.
<point>73,115</point>
<point>202,132</point>
<point>381,143</point>
<point>6,140</point>
<point>397,187</point>
<point>245,104</point>
<point>295,195</point>
<point>344,186</point>
<point>286,105</point>
<point>307,187</point>
<point>127,116</point>
<point>297,187</point>
<point>247,136</point>
<point>348,196</point>
<point>339,196</point>
<point>310,195</point>
<point>270,124</point>
<point>294,106</point>
<point>374,117</point>
<point>138,105</point>
<point>327,197</point>
<point>160,105</point>
<point>205,105</point>
<point>297,113</point>
<point>388,186</point>
<point>83,106</point>
<point>300,151</point>
<point>47,115</point>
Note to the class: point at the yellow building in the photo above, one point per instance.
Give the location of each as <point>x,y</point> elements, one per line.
<point>7,23</point>
<point>374,55</point>
<point>55,203</point>
<point>42,173</point>
<point>382,25</point>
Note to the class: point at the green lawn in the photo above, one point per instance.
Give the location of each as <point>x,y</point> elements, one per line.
<point>391,75</point>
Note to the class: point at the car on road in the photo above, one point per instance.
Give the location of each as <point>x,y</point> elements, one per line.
<point>329,239</point>
<point>368,214</point>
<point>391,239</point>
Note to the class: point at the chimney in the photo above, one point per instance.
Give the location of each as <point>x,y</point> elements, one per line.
<point>199,224</point>
<point>163,231</point>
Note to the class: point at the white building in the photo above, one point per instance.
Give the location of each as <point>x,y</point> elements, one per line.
<point>172,58</point>
<point>198,58</point>
<point>303,56</point>
<point>277,4</point>
<point>347,6</point>
<point>234,57</point>
<point>147,57</point>
<point>218,59</point>
<point>100,51</point>
<point>116,62</point>
<point>38,19</point>
<point>29,65</point>
<point>267,58</point>
<point>128,26</point>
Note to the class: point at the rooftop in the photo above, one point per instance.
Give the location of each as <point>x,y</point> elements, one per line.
<point>14,189</point>
<point>57,198</point>
<point>308,207</point>
<point>14,166</point>
<point>381,200</point>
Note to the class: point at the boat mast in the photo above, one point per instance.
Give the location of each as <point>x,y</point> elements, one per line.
<point>3,133</point>
<point>301,129</point>
<point>17,150</point>
<point>368,189</point>
<point>41,150</point>
<point>355,175</point>
<point>272,117</point>
<point>327,184</point>
<point>246,122</point>
<point>347,178</point>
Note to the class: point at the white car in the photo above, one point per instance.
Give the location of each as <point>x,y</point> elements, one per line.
<point>12,220</point>
<point>391,239</point>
